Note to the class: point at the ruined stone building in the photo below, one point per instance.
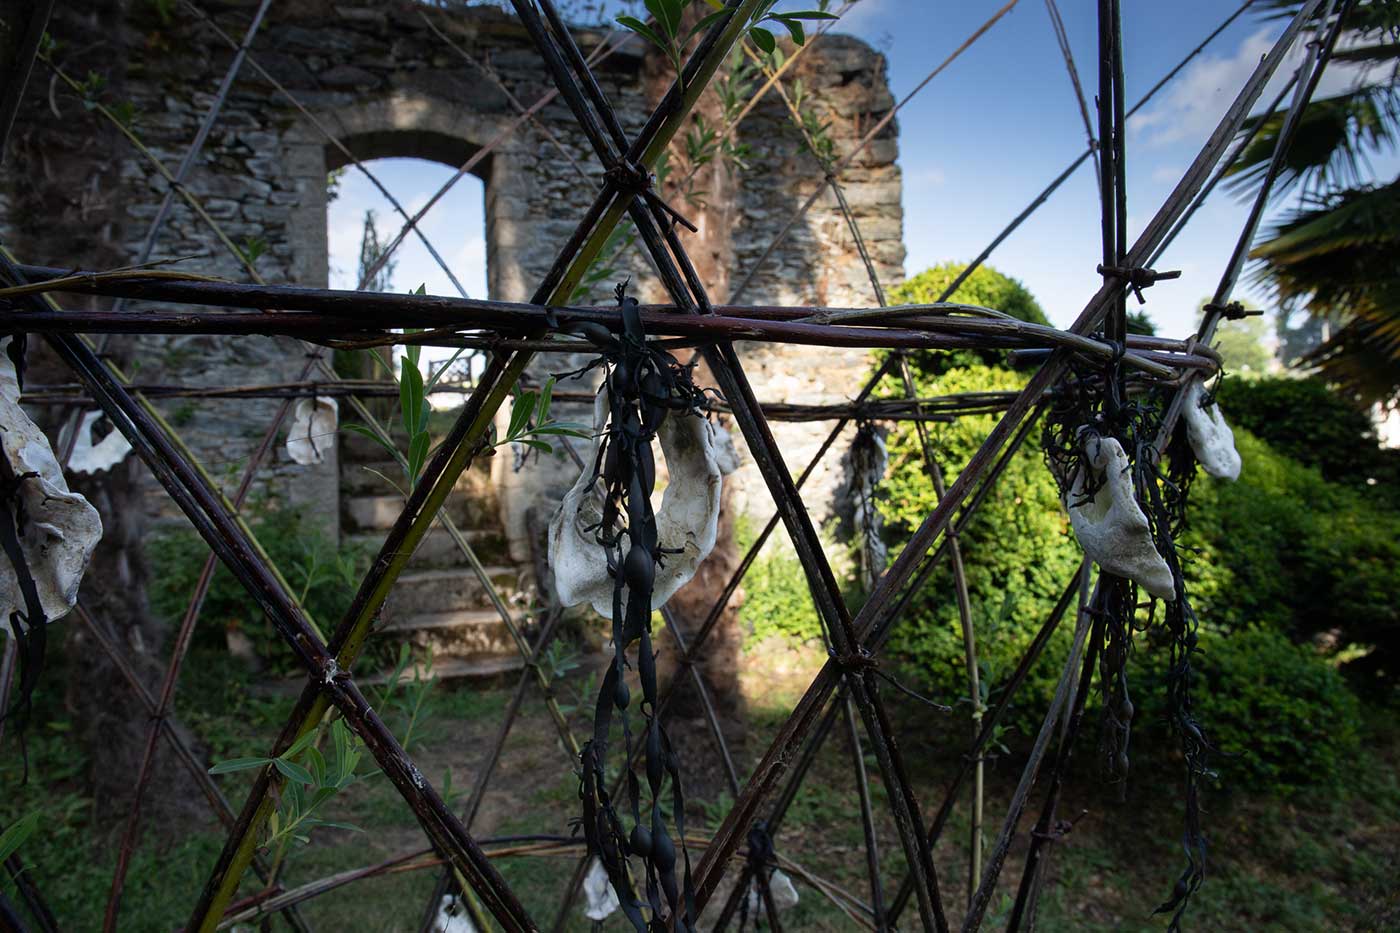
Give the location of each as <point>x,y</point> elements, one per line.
<point>76,192</point>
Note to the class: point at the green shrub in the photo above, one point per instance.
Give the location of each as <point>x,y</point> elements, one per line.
<point>1018,551</point>
<point>777,601</point>
<point>1281,717</point>
<point>1286,548</point>
<point>985,287</point>
<point>323,576</point>
<point>1316,425</point>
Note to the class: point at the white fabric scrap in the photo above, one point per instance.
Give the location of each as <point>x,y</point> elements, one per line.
<point>313,430</point>
<point>780,886</point>
<point>1111,527</point>
<point>1211,439</point>
<point>600,900</point>
<point>687,521</point>
<point>88,457</point>
<point>60,528</point>
<point>452,917</point>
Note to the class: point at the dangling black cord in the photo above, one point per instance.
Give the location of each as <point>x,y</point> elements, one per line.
<point>29,628</point>
<point>644,386</point>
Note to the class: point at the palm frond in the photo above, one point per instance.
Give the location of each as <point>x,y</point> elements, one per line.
<point>1338,258</point>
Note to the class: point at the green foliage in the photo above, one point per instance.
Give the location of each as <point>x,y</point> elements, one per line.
<point>322,574</point>
<point>1285,548</point>
<point>985,287</point>
<point>1018,551</point>
<point>1309,421</point>
<point>310,781</point>
<point>1333,253</point>
<point>667,31</point>
<point>1140,322</point>
<point>1281,716</point>
<point>1241,346</point>
<point>777,601</point>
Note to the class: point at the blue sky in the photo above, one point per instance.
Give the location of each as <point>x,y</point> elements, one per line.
<point>976,145</point>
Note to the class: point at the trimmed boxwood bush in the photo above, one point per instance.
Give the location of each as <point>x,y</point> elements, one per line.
<point>1281,717</point>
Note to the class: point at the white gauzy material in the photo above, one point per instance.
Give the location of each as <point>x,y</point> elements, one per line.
<point>88,457</point>
<point>452,917</point>
<point>687,522</point>
<point>784,893</point>
<point>869,458</point>
<point>1111,527</point>
<point>313,430</point>
<point>600,899</point>
<point>1212,441</point>
<point>60,527</point>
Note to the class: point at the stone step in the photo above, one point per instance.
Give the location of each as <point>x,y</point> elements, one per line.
<point>362,478</point>
<point>449,588</point>
<point>437,550</point>
<point>458,633</point>
<point>477,668</point>
<point>378,513</point>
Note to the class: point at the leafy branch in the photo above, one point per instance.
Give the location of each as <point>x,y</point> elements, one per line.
<point>667,33</point>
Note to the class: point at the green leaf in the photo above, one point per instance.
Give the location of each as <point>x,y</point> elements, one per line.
<point>411,397</point>
<point>643,30</point>
<point>340,738</point>
<point>331,824</point>
<point>17,832</point>
<point>660,11</point>
<point>537,445</point>
<point>364,431</point>
<point>238,764</point>
<point>295,802</point>
<point>418,453</point>
<point>304,740</point>
<point>520,413</point>
<point>564,429</point>
<point>546,400</point>
<point>794,28</point>
<point>317,762</point>
<point>763,39</point>
<point>292,771</point>
<point>810,14</point>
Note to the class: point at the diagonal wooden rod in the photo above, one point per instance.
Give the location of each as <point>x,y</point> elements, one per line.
<point>874,614</point>
<point>867,815</point>
<point>217,523</point>
<point>690,294</point>
<point>1057,26</point>
<point>454,454</point>
<point>23,64</point>
<point>127,846</point>
<point>1058,707</point>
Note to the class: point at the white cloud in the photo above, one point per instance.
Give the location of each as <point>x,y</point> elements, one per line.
<point>924,176</point>
<point>1167,174</point>
<point>1191,107</point>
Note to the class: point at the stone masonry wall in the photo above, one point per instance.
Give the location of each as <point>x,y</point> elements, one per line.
<point>375,76</point>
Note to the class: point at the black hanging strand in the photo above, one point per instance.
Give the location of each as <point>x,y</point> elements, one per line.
<point>643,387</point>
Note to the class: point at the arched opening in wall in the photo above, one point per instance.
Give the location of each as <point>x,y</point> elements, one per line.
<point>362,224</point>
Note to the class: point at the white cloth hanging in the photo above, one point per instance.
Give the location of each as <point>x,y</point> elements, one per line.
<point>59,528</point>
<point>313,430</point>
<point>1111,526</point>
<point>687,521</point>
<point>1211,439</point>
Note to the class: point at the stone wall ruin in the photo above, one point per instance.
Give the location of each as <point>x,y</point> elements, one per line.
<point>76,193</point>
